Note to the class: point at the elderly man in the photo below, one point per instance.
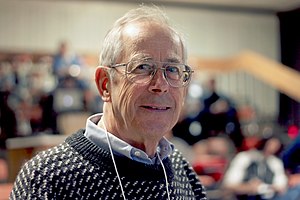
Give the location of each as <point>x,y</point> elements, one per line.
<point>122,153</point>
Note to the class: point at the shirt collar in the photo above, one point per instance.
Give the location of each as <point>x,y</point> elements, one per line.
<point>98,136</point>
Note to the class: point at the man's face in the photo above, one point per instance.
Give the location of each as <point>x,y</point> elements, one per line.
<point>144,111</point>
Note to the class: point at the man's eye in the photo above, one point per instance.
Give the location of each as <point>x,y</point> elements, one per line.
<point>143,68</point>
<point>172,69</point>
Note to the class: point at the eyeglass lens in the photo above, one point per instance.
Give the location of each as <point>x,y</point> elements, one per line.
<point>176,74</point>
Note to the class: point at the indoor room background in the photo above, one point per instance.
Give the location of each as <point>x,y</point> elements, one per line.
<point>38,26</point>
<point>31,31</point>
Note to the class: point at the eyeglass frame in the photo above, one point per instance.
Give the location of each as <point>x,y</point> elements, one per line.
<point>153,73</point>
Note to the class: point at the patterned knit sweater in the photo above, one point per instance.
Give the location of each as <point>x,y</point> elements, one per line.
<point>78,169</point>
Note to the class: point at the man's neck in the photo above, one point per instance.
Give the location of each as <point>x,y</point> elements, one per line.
<point>149,146</point>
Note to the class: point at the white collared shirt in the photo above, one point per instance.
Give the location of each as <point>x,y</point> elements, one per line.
<point>98,136</point>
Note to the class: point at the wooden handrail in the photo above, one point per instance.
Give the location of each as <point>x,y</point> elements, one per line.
<point>279,76</point>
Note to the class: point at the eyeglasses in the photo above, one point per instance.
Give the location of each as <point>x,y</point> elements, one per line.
<point>143,71</point>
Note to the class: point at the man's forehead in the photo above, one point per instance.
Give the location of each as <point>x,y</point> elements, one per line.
<point>149,29</point>
<point>132,30</point>
<point>147,39</point>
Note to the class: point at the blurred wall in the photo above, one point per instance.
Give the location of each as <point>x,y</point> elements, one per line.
<point>38,26</point>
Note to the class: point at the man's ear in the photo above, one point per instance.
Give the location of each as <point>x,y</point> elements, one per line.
<point>102,81</point>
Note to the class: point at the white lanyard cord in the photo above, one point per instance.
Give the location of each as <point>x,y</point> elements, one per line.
<point>114,162</point>
<point>165,173</point>
<point>116,169</point>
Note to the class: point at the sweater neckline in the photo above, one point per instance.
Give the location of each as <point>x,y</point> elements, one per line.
<point>127,167</point>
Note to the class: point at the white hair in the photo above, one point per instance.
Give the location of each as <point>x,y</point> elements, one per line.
<point>113,47</point>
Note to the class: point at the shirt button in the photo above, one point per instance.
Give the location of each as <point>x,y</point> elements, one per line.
<point>137,153</point>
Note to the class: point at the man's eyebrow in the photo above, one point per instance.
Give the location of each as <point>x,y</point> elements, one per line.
<point>173,60</point>
<point>141,57</point>
<point>149,58</point>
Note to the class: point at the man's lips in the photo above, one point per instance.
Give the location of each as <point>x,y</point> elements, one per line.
<point>156,107</point>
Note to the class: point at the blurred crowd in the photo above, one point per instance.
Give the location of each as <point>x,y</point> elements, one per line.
<point>237,155</point>
<point>36,89</point>
<point>234,156</point>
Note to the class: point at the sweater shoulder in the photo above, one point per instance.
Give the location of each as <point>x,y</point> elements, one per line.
<point>51,159</point>
<point>55,157</point>
<point>178,159</point>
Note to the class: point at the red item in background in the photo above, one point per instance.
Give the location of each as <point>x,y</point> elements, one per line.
<point>293,131</point>
<point>214,168</point>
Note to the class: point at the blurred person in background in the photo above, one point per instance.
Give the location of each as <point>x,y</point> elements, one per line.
<point>217,116</point>
<point>257,173</point>
<point>64,59</point>
<point>122,153</point>
<point>291,157</point>
<point>211,159</point>
<point>8,121</point>
<point>67,67</point>
<point>291,161</point>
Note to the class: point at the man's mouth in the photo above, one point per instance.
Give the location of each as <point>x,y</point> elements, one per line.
<point>156,108</point>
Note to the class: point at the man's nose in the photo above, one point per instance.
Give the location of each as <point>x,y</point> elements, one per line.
<point>159,83</point>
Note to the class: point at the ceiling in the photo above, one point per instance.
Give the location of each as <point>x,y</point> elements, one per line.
<point>259,5</point>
